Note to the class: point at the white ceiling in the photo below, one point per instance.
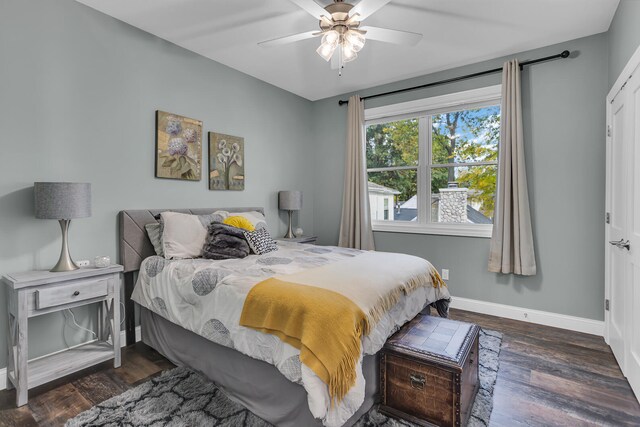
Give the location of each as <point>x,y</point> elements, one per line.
<point>456,32</point>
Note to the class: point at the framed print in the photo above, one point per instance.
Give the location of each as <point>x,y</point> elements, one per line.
<point>178,147</point>
<point>226,162</point>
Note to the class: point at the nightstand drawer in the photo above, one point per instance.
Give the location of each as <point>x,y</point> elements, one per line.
<point>73,292</point>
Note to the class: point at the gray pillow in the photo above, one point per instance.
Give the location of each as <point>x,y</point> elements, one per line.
<point>154,231</point>
<point>207,219</point>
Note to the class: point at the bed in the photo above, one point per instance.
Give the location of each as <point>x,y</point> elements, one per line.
<point>255,369</point>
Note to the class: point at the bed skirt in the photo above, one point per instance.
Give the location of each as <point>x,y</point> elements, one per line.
<point>255,384</point>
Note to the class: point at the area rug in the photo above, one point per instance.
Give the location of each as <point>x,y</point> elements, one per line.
<point>181,397</point>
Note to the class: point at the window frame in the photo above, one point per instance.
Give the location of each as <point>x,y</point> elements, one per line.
<point>423,110</point>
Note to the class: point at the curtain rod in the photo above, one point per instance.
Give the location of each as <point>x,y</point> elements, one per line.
<point>564,54</point>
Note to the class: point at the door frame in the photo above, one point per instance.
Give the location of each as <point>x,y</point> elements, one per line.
<point>616,89</point>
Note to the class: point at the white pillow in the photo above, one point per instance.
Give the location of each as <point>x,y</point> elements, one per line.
<point>256,218</point>
<point>183,235</point>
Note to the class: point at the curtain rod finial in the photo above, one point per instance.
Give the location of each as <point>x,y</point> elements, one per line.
<point>341,102</point>
<point>565,54</point>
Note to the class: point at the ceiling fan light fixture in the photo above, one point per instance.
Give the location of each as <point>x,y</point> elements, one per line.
<point>348,52</point>
<point>356,40</point>
<point>331,37</point>
<point>325,50</point>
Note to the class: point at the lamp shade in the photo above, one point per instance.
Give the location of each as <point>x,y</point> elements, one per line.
<point>290,200</point>
<point>62,200</point>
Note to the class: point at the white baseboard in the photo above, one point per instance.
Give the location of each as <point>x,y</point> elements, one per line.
<point>123,342</point>
<point>572,323</point>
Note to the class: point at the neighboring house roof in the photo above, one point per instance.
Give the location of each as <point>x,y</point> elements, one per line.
<point>381,189</point>
<point>412,203</point>
<point>477,217</point>
<point>404,214</point>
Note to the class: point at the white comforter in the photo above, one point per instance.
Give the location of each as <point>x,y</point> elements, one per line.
<point>206,297</point>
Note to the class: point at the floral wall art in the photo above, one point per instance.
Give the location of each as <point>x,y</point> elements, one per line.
<point>226,162</point>
<point>178,147</point>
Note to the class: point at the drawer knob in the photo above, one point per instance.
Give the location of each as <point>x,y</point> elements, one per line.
<point>417,381</point>
<point>76,293</point>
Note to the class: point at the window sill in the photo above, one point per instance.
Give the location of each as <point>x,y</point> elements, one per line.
<point>465,230</point>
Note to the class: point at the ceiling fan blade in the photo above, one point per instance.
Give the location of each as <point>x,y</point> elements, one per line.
<point>311,7</point>
<point>367,7</point>
<point>392,36</point>
<point>289,39</point>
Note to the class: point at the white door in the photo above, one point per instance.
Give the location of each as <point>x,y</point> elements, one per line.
<point>632,309</point>
<point>623,230</point>
<point>617,257</point>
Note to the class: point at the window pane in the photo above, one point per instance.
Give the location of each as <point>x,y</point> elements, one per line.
<point>473,199</point>
<point>465,136</point>
<point>392,195</point>
<point>392,144</point>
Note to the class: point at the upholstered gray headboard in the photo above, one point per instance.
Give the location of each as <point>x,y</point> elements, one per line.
<point>134,243</point>
<point>135,246</point>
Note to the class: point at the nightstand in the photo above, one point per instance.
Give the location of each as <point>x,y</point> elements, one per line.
<point>303,239</point>
<point>34,293</point>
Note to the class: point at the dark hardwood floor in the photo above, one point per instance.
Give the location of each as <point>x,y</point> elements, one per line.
<point>54,403</point>
<point>547,377</point>
<point>554,377</point>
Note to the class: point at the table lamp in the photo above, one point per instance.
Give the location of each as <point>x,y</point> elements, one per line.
<point>290,201</point>
<point>63,201</point>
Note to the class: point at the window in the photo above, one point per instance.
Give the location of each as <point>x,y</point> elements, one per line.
<point>434,162</point>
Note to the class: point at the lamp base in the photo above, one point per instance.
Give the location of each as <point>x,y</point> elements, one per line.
<point>289,234</point>
<point>65,263</point>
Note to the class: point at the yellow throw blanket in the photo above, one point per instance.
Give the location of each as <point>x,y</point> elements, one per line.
<point>325,311</point>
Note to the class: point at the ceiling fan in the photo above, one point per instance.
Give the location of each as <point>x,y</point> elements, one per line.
<point>342,35</point>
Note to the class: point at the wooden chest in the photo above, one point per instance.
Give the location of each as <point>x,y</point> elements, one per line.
<point>429,372</point>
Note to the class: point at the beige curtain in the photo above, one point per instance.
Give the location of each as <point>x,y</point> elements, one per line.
<point>355,225</point>
<point>512,240</point>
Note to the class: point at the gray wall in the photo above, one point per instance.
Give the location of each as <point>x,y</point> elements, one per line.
<point>564,114</point>
<point>624,37</point>
<point>78,91</point>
